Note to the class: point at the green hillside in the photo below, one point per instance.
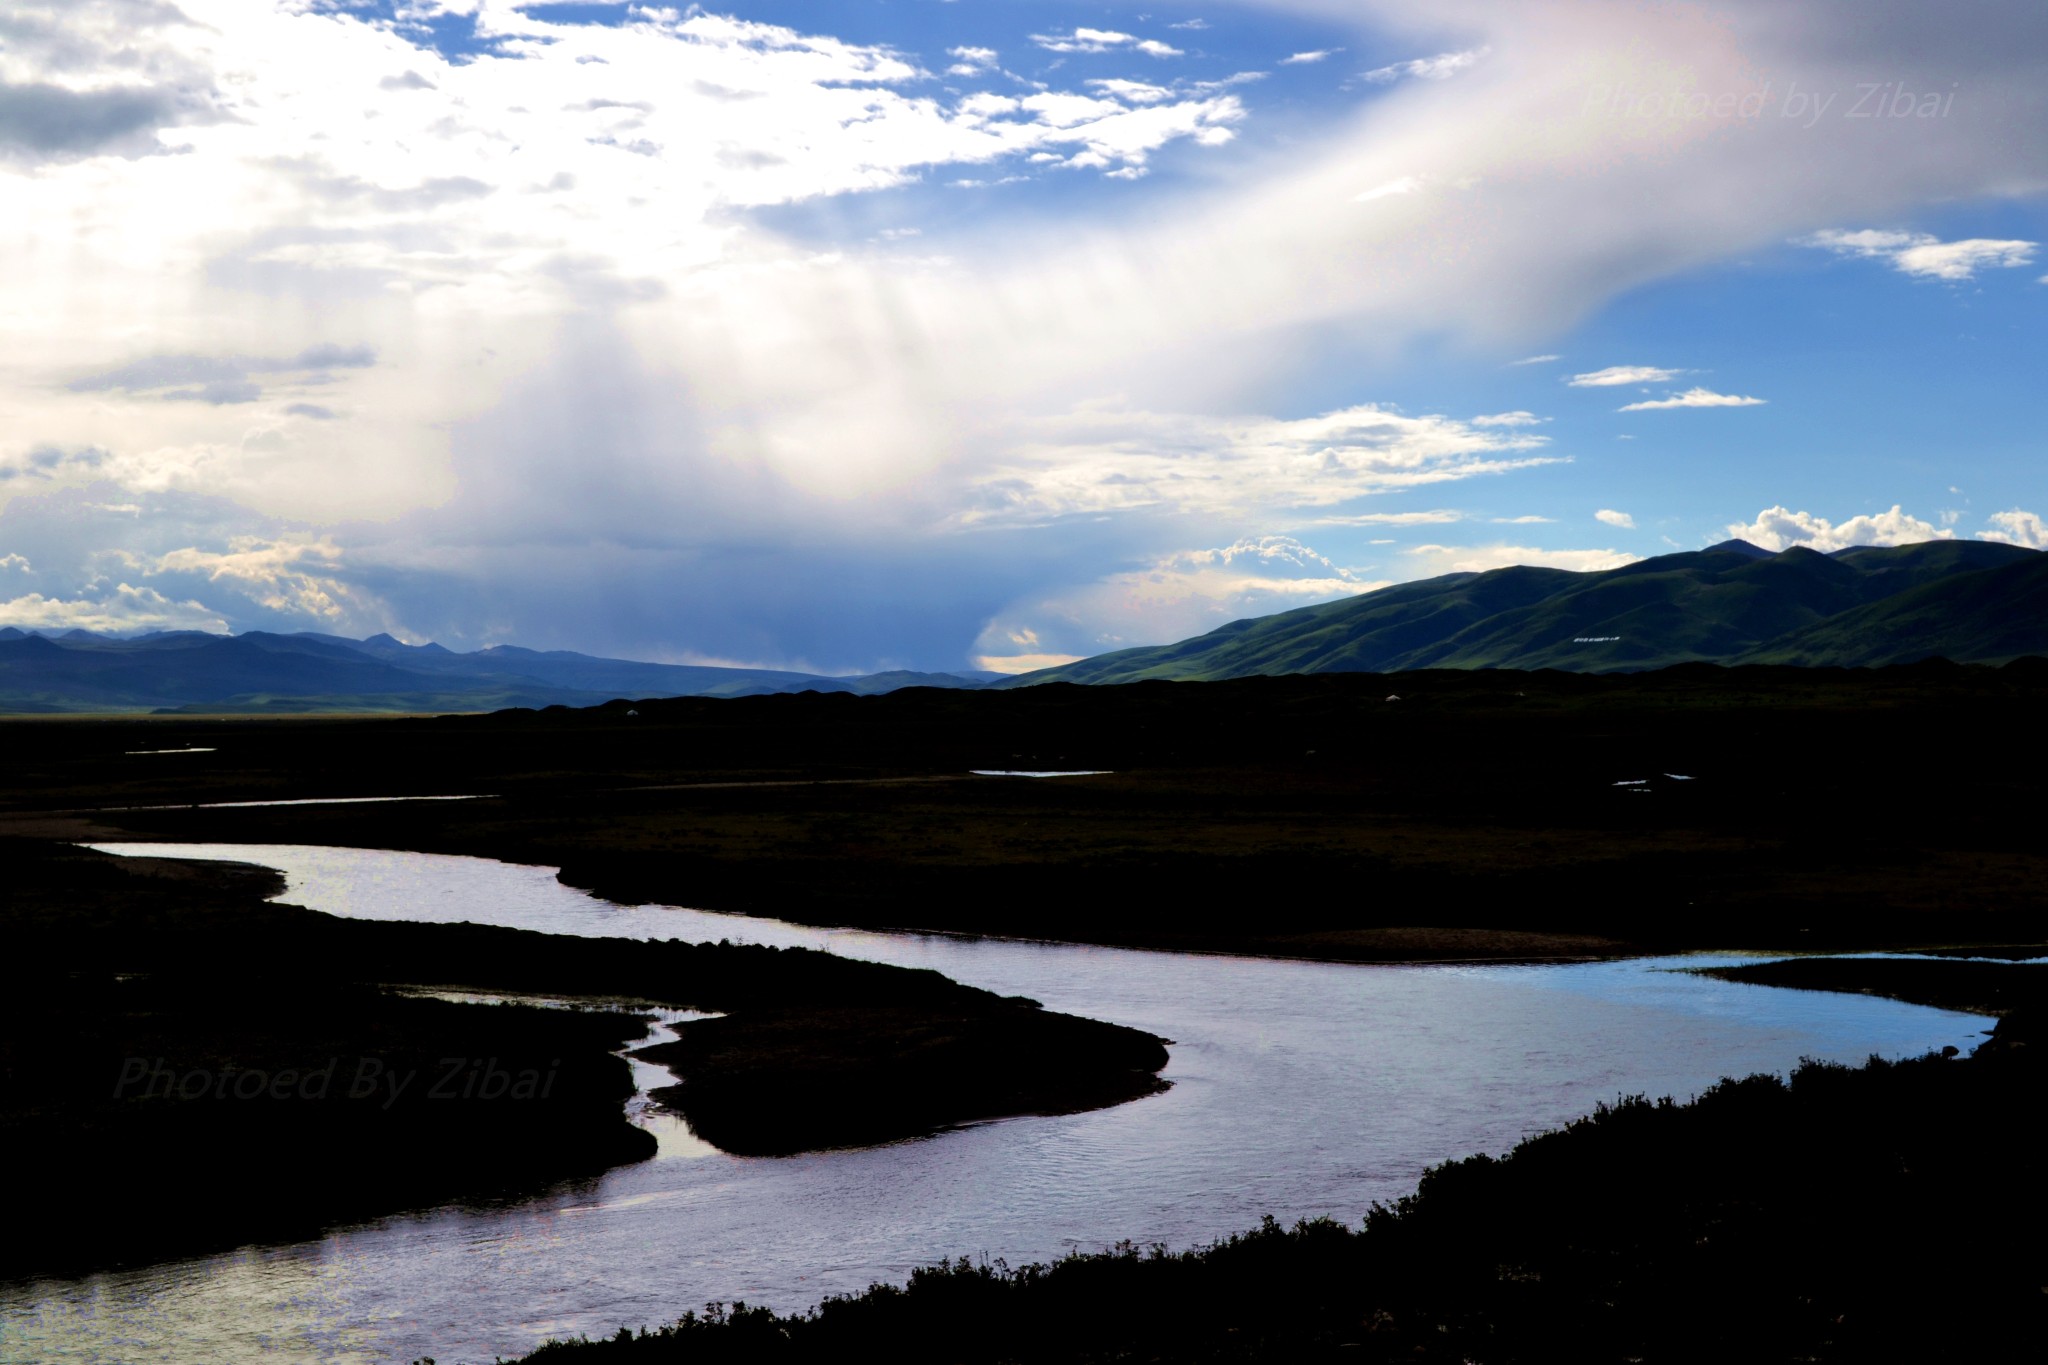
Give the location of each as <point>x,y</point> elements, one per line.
<point>1988,616</point>
<point>1730,603</point>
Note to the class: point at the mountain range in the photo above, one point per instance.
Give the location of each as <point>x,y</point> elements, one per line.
<point>1969,601</point>
<point>259,672</point>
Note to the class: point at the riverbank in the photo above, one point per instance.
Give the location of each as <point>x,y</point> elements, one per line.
<point>1482,816</point>
<point>149,1119</point>
<point>188,1066</point>
<point>1301,1089</point>
<point>1994,988</point>
<point>1887,1213</point>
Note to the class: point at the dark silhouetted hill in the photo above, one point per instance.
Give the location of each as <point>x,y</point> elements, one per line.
<point>257,672</point>
<point>1969,601</point>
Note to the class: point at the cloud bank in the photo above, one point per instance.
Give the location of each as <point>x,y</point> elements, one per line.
<point>1780,528</point>
<point>679,341</point>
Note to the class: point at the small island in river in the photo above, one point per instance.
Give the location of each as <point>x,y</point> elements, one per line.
<point>1888,1213</point>
<point>189,1067</point>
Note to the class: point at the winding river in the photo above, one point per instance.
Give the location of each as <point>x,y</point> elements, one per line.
<point>1299,1089</point>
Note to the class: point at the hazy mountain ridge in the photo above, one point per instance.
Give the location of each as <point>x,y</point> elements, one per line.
<point>259,671</point>
<point>1732,603</point>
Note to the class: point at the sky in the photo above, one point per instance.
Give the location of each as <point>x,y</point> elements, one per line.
<point>991,333</point>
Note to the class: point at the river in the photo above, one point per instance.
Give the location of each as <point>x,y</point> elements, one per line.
<point>1299,1089</point>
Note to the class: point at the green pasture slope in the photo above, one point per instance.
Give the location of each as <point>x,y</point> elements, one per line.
<point>1968,601</point>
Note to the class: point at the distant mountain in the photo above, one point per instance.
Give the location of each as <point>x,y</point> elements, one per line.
<point>1970,601</point>
<point>1992,615</point>
<point>257,672</point>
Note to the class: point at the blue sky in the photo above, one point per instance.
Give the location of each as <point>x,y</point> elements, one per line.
<point>908,333</point>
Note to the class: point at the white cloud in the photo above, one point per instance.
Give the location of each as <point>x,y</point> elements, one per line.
<point>291,577</point>
<point>1306,58</point>
<point>1132,92</point>
<point>973,56</point>
<point>1536,360</point>
<point>127,610</point>
<point>1920,253</point>
<point>1961,260</point>
<point>1021,663</point>
<point>1440,67</point>
<point>16,563</point>
<point>1614,518</point>
<point>1517,418</point>
<point>1780,528</point>
<point>1694,398</point>
<point>1176,595</point>
<point>1024,653</point>
<point>2016,527</point>
<point>1095,462</point>
<point>1523,521</point>
<point>1284,554</point>
<point>445,235</point>
<point>1195,24</point>
<point>1103,40</point>
<point>1431,560</point>
<point>1109,130</point>
<point>1620,374</point>
<point>1406,184</point>
<point>1437,517</point>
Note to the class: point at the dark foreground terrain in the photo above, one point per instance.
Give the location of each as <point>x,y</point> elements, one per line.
<point>1448,815</point>
<point>1426,816</point>
<point>775,1081</point>
<point>1973,987</point>
<point>1889,1213</point>
<point>186,1067</point>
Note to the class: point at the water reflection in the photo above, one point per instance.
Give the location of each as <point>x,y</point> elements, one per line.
<point>1300,1089</point>
<point>672,1134</point>
<point>298,801</point>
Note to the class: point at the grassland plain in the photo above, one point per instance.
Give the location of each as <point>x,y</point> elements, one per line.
<point>1425,816</point>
